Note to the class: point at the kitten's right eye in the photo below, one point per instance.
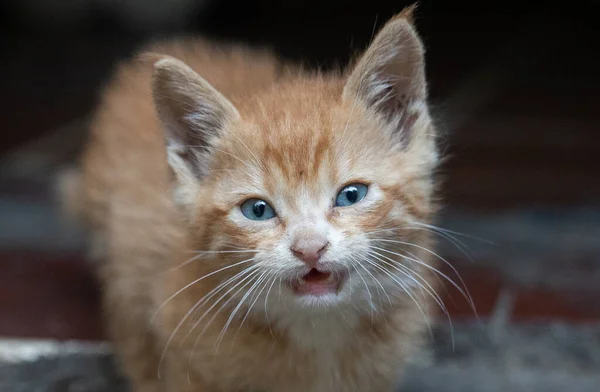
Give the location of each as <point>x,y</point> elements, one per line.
<point>351,194</point>
<point>257,209</point>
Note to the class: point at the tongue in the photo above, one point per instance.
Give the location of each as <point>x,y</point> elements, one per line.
<point>316,283</point>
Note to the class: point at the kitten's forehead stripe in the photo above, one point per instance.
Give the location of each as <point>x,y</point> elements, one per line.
<point>321,149</point>
<point>293,134</point>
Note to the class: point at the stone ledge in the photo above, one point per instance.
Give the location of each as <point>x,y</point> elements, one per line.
<point>516,358</point>
<point>485,358</point>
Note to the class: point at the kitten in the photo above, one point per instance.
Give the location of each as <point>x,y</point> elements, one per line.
<point>261,225</point>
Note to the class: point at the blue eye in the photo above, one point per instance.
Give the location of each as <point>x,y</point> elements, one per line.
<point>257,209</point>
<point>351,194</point>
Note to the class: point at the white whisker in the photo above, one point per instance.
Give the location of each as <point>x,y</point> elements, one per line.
<point>455,233</point>
<point>458,244</point>
<point>406,290</point>
<point>204,252</point>
<point>190,311</point>
<point>378,283</point>
<point>371,306</point>
<point>257,160</point>
<point>193,283</point>
<point>260,279</point>
<point>429,289</point>
<point>207,325</point>
<point>267,311</point>
<point>247,166</point>
<point>403,270</point>
<point>215,291</point>
<point>464,291</point>
<point>253,302</point>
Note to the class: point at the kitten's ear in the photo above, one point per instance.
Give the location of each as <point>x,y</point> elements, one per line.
<point>193,114</point>
<point>390,76</point>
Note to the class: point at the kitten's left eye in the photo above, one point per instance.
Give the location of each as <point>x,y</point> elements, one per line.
<point>257,209</point>
<point>351,194</point>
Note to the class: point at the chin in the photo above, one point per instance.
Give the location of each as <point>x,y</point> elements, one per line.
<point>320,300</point>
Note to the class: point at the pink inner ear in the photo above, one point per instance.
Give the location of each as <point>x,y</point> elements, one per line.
<point>390,77</point>
<point>396,108</point>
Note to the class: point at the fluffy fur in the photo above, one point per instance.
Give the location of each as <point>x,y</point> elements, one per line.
<point>197,296</point>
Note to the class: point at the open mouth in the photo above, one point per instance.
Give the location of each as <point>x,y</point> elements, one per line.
<point>318,283</point>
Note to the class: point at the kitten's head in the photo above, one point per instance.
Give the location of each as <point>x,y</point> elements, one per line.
<point>317,186</point>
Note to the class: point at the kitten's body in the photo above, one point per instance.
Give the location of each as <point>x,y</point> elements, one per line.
<point>292,138</point>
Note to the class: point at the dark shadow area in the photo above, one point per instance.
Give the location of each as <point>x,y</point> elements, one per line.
<point>515,85</point>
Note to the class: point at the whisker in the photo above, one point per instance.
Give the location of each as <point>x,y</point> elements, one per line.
<point>414,258</point>
<point>406,290</point>
<point>378,283</point>
<point>193,283</point>
<point>257,160</point>
<point>253,302</point>
<point>247,166</point>
<point>429,289</point>
<point>435,228</point>
<point>279,296</point>
<point>402,269</point>
<point>176,267</point>
<point>199,255</point>
<point>187,315</point>
<point>354,263</point>
<point>458,244</point>
<point>464,291</point>
<point>203,252</point>
<point>349,274</point>
<point>266,310</point>
<point>207,325</point>
<point>214,292</point>
<point>250,276</point>
<point>239,305</point>
<point>455,233</point>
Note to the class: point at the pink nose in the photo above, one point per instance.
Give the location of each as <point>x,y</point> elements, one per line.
<point>309,249</point>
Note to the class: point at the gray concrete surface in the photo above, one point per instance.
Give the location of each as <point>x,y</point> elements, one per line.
<point>554,247</point>
<point>526,358</point>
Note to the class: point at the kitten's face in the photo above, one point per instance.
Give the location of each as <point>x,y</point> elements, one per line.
<point>308,186</point>
<point>314,189</point>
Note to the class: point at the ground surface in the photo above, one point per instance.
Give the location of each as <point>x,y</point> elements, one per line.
<point>485,358</point>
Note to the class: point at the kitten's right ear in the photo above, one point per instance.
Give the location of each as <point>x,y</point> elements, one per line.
<point>390,76</point>
<point>193,114</point>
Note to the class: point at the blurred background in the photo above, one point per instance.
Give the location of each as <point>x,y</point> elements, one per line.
<point>514,85</point>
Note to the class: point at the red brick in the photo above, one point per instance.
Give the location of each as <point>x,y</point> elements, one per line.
<point>538,304</point>
<point>48,297</point>
<point>482,284</point>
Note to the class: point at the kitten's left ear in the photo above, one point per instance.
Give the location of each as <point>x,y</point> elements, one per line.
<point>193,114</point>
<point>390,76</point>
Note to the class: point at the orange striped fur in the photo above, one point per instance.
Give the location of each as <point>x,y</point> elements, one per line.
<point>184,135</point>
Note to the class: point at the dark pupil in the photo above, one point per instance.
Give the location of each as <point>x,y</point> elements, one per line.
<point>259,208</point>
<point>351,194</point>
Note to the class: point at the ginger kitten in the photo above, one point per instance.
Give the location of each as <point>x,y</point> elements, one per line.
<point>260,227</point>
